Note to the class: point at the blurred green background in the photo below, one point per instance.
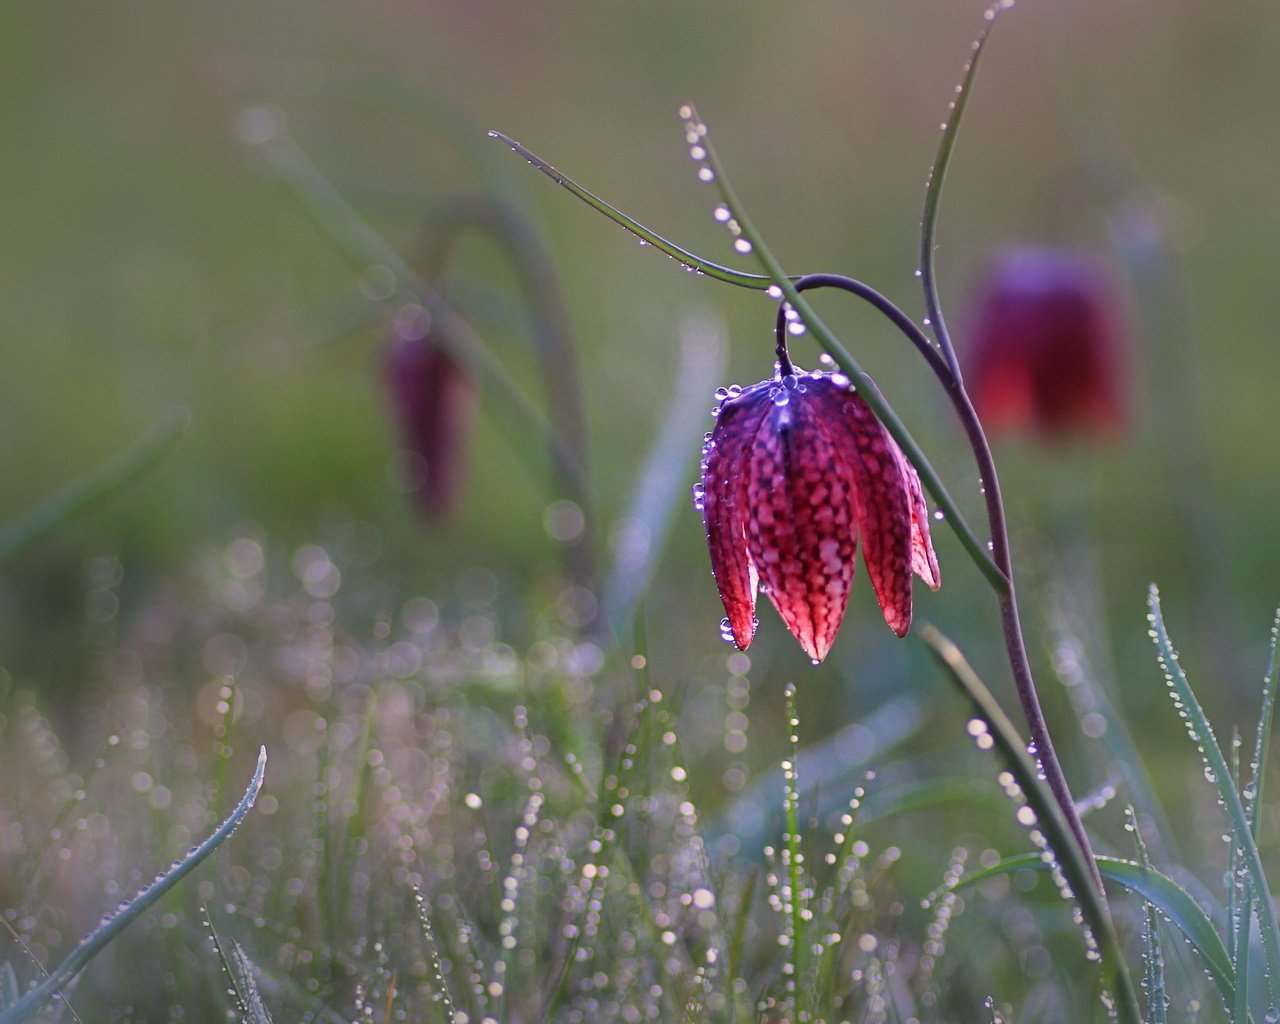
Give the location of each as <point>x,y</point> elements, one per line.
<point>152,260</point>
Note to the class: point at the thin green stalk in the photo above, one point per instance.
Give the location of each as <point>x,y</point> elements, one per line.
<point>795,857</point>
<point>1078,870</point>
<point>933,191</point>
<point>1153,952</point>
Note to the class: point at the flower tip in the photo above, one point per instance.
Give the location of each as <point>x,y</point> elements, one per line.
<point>817,652</point>
<point>738,630</point>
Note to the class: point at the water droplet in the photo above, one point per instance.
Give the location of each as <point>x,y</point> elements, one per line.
<point>774,292</point>
<point>706,174</point>
<point>741,244</point>
<point>721,213</point>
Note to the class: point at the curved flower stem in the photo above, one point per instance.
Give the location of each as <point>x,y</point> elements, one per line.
<point>1015,644</point>
<point>933,191</point>
<point>553,338</point>
<point>1019,664</point>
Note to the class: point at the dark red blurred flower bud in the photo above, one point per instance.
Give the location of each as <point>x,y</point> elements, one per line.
<point>796,469</point>
<point>433,400</point>
<point>1047,352</point>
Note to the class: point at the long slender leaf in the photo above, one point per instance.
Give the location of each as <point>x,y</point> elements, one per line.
<point>1253,794</point>
<point>1201,734</point>
<point>113,924</point>
<point>1049,819</point>
<point>94,486</point>
<point>1170,898</point>
<point>1262,744</point>
<point>691,260</point>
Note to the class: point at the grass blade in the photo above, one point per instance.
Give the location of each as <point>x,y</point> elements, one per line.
<point>794,894</point>
<point>1153,955</point>
<point>661,480</point>
<point>440,988</point>
<point>94,943</point>
<point>240,973</point>
<point>694,262</point>
<point>1161,891</point>
<point>1201,734</point>
<point>1243,919</point>
<point>9,993</point>
<point>1049,819</point>
<point>94,486</point>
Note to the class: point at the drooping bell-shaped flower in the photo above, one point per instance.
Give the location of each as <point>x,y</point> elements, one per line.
<point>797,469</point>
<point>1047,351</point>
<point>433,400</point>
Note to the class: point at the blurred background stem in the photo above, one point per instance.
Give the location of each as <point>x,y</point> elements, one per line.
<point>551,330</point>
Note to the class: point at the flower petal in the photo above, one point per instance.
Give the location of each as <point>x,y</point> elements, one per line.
<point>800,528</point>
<point>433,400</point>
<point>723,504</point>
<point>883,507</point>
<point>924,563</point>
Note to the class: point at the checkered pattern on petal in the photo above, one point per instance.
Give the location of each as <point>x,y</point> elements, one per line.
<point>795,470</point>
<point>924,563</point>
<point>723,505</point>
<point>801,533</point>
<point>883,510</point>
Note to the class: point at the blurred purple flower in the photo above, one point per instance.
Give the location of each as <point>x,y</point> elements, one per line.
<point>797,467</point>
<point>1047,353</point>
<point>433,400</point>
